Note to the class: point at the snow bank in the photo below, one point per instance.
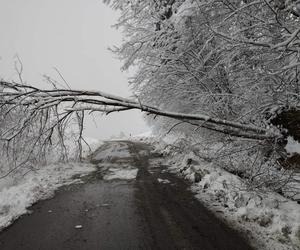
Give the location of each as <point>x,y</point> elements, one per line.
<point>269,220</point>
<point>273,216</point>
<point>41,184</point>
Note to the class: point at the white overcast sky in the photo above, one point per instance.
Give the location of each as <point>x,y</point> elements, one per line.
<point>73,36</point>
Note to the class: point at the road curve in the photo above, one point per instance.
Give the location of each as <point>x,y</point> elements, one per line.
<point>143,213</point>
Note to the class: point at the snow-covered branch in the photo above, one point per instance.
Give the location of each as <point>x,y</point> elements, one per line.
<point>70,101</point>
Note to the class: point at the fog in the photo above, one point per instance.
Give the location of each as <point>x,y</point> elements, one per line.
<point>73,37</point>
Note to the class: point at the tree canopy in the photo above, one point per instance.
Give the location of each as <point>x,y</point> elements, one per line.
<point>233,60</point>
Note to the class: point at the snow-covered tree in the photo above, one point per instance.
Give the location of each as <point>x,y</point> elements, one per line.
<point>236,60</point>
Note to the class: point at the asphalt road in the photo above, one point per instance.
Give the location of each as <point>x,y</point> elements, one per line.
<point>142,213</point>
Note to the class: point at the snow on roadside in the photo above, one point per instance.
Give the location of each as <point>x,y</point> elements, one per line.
<point>269,220</point>
<point>273,220</point>
<point>37,185</point>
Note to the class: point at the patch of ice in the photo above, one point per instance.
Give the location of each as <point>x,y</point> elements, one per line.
<point>122,174</point>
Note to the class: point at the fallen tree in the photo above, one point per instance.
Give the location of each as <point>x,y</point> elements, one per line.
<point>67,102</point>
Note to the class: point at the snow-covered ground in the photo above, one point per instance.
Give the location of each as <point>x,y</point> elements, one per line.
<point>17,194</point>
<point>268,219</point>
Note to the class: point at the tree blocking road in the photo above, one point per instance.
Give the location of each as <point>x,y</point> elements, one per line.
<point>142,213</point>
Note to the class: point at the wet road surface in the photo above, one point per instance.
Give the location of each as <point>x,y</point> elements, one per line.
<point>109,213</point>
